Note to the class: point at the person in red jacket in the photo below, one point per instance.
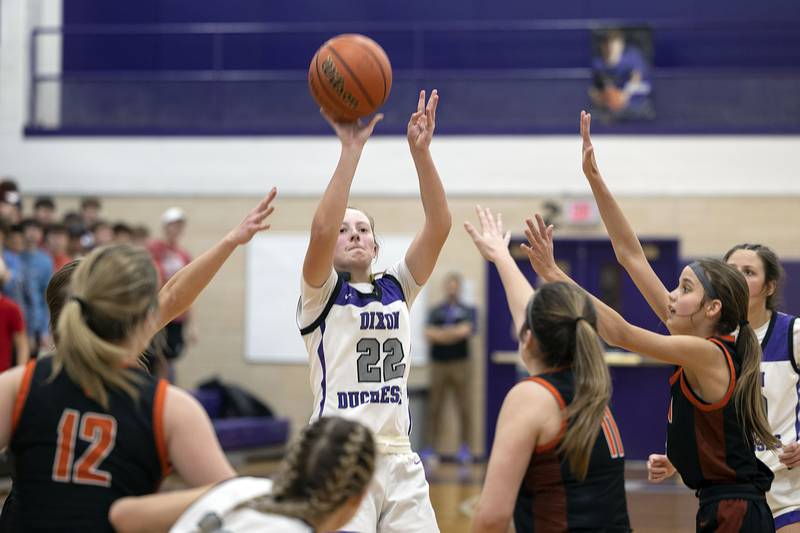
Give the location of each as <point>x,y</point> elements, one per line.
<point>12,330</point>
<point>170,257</point>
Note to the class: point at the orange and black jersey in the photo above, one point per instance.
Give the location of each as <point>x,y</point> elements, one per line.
<point>552,500</point>
<point>70,458</point>
<point>705,442</point>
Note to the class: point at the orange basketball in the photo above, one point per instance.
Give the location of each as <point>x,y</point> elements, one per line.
<point>350,76</point>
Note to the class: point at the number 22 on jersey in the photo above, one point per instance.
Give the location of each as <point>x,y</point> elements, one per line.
<point>100,431</point>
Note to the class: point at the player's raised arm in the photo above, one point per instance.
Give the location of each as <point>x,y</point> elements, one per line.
<point>330,211</point>
<point>424,250</point>
<point>695,353</point>
<point>626,244</point>
<point>182,289</point>
<point>492,240</point>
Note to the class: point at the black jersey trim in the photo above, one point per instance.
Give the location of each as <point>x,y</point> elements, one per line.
<point>315,324</point>
<point>790,341</point>
<point>772,321</point>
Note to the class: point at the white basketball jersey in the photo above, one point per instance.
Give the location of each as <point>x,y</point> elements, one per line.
<point>214,511</point>
<point>358,338</point>
<point>780,373</point>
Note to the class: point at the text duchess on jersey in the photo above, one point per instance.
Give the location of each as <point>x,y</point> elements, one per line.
<point>386,394</point>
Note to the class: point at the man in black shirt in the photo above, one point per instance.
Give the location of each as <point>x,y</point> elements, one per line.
<point>450,325</point>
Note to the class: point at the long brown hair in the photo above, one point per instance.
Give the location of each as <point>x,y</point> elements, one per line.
<point>564,321</point>
<point>731,289</point>
<point>112,291</point>
<point>773,270</point>
<point>331,461</point>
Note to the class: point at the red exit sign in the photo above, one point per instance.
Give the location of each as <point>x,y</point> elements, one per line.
<point>581,212</point>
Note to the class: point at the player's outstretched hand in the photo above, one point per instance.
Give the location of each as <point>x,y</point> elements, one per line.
<point>491,240</point>
<point>790,455</point>
<point>255,221</point>
<point>589,165</point>
<point>540,247</point>
<point>352,134</point>
<point>659,468</point>
<point>423,122</point>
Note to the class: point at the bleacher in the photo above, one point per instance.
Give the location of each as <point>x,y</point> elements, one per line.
<point>719,67</point>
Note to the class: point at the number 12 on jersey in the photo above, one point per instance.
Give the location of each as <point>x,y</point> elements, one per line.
<point>97,429</point>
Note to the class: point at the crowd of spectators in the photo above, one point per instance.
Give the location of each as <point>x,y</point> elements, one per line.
<point>37,243</point>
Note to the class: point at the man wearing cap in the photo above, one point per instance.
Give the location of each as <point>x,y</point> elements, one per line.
<point>169,258</point>
<point>10,202</point>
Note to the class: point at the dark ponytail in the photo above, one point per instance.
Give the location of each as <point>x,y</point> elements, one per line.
<point>564,322</point>
<point>731,290</point>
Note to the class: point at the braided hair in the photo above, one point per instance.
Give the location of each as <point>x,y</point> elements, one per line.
<point>330,462</point>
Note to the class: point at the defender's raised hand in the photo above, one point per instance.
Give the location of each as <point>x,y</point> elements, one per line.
<point>590,169</point>
<point>491,240</point>
<point>540,248</point>
<point>255,221</point>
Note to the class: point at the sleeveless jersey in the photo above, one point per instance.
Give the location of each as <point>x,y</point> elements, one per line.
<point>359,347</point>
<point>216,511</point>
<point>780,375</point>
<point>705,442</point>
<point>70,458</point>
<point>551,499</point>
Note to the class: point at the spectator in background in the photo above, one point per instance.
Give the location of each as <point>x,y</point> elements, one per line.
<point>90,211</point>
<point>10,201</point>
<point>13,337</point>
<point>102,233</point>
<point>13,245</point>
<point>57,245</point>
<point>44,211</point>
<point>73,219</point>
<point>75,229</point>
<point>170,257</point>
<point>141,235</point>
<point>123,234</point>
<point>37,268</point>
<point>450,325</point>
<point>621,79</point>
<point>89,216</point>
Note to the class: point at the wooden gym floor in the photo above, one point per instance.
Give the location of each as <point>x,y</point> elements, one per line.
<point>666,508</point>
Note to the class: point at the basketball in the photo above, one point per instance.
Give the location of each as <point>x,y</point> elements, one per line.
<point>350,76</point>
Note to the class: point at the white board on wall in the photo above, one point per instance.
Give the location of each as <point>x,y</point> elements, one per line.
<point>273,270</point>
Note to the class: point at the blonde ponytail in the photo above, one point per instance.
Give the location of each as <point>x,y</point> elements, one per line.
<point>112,292</point>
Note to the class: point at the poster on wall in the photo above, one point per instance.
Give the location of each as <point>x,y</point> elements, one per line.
<point>273,269</point>
<point>622,66</point>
